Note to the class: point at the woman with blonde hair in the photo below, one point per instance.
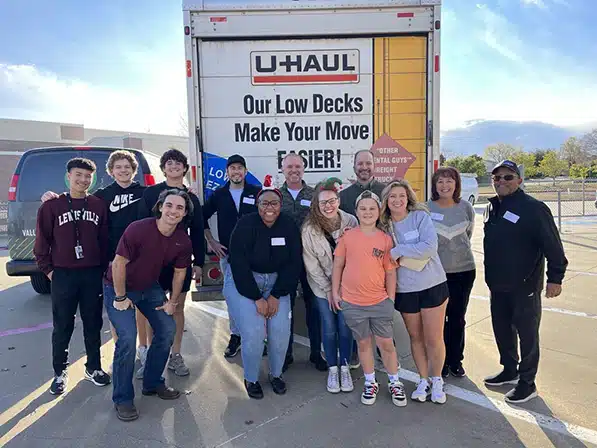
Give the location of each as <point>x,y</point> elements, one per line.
<point>422,291</point>
<point>321,231</point>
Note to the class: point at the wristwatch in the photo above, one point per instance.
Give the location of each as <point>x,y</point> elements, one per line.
<point>120,298</point>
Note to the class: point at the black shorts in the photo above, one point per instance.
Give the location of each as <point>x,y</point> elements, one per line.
<point>412,302</point>
<point>167,275</point>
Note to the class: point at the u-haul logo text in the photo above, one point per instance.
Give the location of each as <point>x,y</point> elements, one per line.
<point>305,67</point>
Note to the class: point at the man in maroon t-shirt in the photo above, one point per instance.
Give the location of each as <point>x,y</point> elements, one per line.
<point>132,281</point>
<point>70,248</point>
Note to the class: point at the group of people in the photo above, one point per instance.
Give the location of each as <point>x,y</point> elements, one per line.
<point>359,253</point>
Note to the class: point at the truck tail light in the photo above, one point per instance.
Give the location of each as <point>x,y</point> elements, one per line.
<point>12,190</point>
<point>149,179</point>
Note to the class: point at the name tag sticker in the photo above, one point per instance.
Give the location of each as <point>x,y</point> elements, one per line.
<point>437,216</point>
<point>412,235</point>
<point>279,241</point>
<point>305,203</point>
<point>250,201</point>
<point>511,217</point>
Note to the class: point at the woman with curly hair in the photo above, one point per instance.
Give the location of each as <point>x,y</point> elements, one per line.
<point>324,225</point>
<point>422,292</point>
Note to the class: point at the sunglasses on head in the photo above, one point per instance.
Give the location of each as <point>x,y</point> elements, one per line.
<point>508,177</point>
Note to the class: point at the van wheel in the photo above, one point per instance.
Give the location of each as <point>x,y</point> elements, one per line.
<point>471,199</point>
<point>41,284</point>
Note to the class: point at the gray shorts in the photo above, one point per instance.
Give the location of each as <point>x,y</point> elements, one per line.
<point>364,320</point>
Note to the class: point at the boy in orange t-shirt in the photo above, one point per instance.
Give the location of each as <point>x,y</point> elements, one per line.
<point>366,272</point>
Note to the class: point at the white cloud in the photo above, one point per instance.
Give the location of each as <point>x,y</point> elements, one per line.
<point>155,105</point>
<point>538,3</point>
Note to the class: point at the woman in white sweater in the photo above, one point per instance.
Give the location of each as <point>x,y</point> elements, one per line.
<point>324,225</point>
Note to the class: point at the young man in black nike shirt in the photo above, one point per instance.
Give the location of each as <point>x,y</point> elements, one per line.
<point>122,199</point>
<point>175,166</point>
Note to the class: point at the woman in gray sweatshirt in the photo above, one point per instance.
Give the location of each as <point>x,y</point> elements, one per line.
<point>454,221</point>
<point>422,291</point>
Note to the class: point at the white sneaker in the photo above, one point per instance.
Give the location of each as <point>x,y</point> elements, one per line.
<point>369,394</point>
<point>346,379</point>
<point>397,392</point>
<point>333,380</point>
<point>437,390</point>
<point>422,391</point>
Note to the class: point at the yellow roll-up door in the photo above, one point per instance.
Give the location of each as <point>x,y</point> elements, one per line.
<point>400,95</point>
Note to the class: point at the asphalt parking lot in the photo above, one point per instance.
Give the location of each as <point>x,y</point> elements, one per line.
<point>214,410</point>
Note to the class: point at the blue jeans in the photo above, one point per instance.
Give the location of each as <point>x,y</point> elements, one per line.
<point>125,325</point>
<point>224,266</point>
<point>254,328</point>
<point>336,335</point>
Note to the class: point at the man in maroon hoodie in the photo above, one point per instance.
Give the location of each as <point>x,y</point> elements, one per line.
<point>71,249</point>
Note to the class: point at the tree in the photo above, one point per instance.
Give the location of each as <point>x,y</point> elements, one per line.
<point>552,165</point>
<point>501,151</point>
<point>471,164</point>
<point>572,151</point>
<point>589,143</point>
<point>527,159</point>
<point>579,171</point>
<point>442,160</point>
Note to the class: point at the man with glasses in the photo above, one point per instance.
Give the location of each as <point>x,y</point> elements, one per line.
<point>520,234</point>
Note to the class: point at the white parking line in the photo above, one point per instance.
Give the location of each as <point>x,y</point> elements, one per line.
<point>550,309</point>
<point>499,406</point>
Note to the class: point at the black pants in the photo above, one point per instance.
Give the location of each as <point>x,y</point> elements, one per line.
<point>72,288</point>
<point>460,285</point>
<point>311,315</point>
<point>512,314</point>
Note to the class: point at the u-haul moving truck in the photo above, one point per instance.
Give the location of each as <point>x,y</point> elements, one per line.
<point>321,78</point>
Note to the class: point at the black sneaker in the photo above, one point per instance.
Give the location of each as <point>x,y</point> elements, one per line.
<point>254,390</point>
<point>278,385</point>
<point>445,371</point>
<point>319,362</point>
<point>522,393</point>
<point>98,377</point>
<point>457,371</point>
<point>504,377</point>
<point>233,346</point>
<point>164,392</point>
<point>287,362</point>
<point>126,412</point>
<point>58,386</point>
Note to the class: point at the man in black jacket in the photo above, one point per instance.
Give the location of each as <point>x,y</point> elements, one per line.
<point>175,166</point>
<point>231,201</point>
<point>520,234</point>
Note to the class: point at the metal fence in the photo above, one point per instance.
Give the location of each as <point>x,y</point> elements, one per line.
<point>567,198</point>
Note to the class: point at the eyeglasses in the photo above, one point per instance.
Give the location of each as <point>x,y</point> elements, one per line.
<point>332,201</point>
<point>507,177</point>
<point>266,204</point>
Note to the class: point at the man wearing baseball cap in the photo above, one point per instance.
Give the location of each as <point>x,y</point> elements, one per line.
<point>520,234</point>
<point>230,201</point>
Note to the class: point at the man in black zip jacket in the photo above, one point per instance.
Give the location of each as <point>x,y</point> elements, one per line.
<point>231,201</point>
<point>175,166</point>
<point>520,234</point>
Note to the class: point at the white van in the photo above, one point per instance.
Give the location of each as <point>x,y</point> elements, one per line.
<point>470,187</point>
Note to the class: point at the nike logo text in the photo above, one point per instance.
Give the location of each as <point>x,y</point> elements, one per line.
<point>121,201</point>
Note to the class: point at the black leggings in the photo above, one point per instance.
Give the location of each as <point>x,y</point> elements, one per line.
<point>460,285</point>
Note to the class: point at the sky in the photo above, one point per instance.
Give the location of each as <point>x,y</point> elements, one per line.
<point>119,65</point>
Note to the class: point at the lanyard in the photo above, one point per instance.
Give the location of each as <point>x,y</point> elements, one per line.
<point>75,220</point>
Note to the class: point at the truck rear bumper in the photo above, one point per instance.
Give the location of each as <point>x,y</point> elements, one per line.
<point>21,268</point>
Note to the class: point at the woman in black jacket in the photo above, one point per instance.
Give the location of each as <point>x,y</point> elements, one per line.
<point>265,263</point>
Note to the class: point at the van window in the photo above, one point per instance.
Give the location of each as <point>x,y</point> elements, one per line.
<point>46,171</point>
